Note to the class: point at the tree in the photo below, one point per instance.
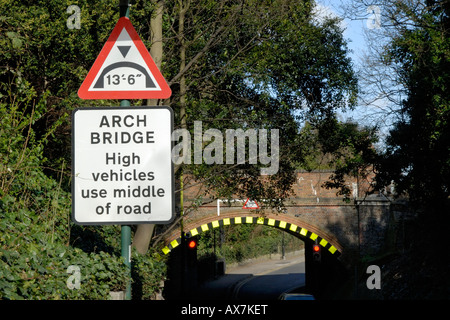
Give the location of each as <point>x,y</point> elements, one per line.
<point>254,64</point>
<point>417,156</point>
<point>231,64</point>
<point>346,148</point>
<point>405,75</point>
<point>41,53</point>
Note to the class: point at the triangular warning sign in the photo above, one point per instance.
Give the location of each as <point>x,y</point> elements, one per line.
<point>124,69</point>
<point>250,204</point>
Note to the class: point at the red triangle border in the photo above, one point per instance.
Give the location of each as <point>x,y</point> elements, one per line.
<point>84,92</point>
<point>245,205</point>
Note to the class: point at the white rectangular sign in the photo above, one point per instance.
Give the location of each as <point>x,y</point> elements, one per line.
<point>122,167</point>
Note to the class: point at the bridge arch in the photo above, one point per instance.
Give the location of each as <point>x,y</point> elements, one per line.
<point>126,64</point>
<point>298,228</point>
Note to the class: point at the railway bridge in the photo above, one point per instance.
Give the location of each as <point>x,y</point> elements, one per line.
<point>344,230</point>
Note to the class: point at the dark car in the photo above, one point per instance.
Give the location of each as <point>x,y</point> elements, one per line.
<point>296,296</point>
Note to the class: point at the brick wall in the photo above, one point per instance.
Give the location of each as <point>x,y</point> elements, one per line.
<point>311,206</point>
<point>308,185</point>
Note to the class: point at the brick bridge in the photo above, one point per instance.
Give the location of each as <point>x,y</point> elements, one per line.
<point>346,230</point>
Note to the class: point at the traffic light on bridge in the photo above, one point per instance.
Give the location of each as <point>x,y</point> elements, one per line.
<point>191,243</point>
<point>317,256</point>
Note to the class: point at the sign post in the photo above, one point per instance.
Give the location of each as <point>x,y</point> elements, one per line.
<point>125,231</point>
<point>122,168</point>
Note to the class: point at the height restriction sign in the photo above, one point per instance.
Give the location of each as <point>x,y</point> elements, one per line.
<point>122,165</point>
<point>124,69</point>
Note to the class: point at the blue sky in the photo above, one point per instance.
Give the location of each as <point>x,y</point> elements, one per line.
<point>354,29</point>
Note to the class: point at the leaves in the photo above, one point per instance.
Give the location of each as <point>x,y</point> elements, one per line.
<point>346,148</point>
<point>247,70</point>
<point>418,153</point>
<point>37,239</point>
<point>15,39</point>
<point>247,64</point>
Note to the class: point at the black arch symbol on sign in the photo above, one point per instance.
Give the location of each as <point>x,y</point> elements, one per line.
<point>148,80</point>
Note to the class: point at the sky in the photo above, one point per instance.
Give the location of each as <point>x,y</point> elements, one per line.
<point>354,29</point>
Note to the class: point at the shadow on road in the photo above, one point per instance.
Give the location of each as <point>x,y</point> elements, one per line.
<point>262,279</point>
<point>249,286</point>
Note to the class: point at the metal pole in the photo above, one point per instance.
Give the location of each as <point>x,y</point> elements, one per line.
<point>126,238</point>
<point>124,9</point>
<point>126,254</point>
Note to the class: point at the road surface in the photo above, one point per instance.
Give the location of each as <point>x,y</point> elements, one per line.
<point>257,280</point>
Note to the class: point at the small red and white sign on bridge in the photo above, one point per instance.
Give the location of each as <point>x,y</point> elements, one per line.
<point>250,204</point>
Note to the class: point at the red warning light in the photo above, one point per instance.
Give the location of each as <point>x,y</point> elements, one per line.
<point>316,253</point>
<point>192,244</point>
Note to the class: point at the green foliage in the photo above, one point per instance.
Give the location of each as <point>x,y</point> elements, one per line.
<point>417,157</point>
<point>35,225</point>
<point>238,243</point>
<point>42,63</point>
<point>148,272</point>
<point>38,242</point>
<point>344,147</point>
<point>35,255</point>
<point>263,73</point>
<point>41,273</point>
<point>244,70</point>
<point>352,152</point>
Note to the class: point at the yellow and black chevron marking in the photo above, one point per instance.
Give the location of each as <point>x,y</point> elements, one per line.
<point>289,227</point>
